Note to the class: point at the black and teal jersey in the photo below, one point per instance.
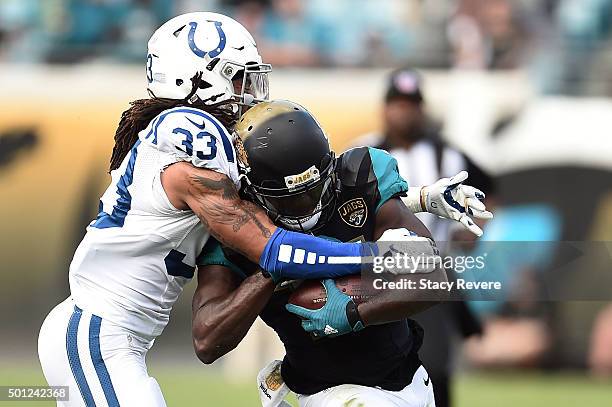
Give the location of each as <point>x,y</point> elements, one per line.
<point>381,355</point>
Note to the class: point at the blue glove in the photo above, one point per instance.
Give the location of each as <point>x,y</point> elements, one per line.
<point>338,316</point>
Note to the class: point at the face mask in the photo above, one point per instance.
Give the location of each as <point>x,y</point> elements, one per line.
<point>302,224</point>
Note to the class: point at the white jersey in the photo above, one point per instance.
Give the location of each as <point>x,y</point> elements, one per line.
<point>140,251</point>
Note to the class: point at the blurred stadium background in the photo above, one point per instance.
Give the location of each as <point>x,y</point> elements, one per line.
<point>522,87</point>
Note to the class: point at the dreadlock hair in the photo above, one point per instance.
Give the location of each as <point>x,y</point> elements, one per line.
<point>142,111</point>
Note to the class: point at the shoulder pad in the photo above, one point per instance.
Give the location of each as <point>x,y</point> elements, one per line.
<point>355,167</point>
<point>364,165</point>
<point>191,134</point>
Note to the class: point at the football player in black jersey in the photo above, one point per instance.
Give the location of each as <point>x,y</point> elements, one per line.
<point>290,171</point>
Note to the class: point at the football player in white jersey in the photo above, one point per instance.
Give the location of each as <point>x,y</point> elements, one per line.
<point>174,178</point>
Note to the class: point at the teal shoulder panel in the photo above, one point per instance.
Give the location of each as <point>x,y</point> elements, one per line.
<point>390,182</point>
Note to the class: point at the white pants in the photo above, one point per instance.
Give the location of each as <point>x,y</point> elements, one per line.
<point>419,393</point>
<point>101,363</point>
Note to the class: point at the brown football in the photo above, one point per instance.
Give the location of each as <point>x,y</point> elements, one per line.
<point>311,293</point>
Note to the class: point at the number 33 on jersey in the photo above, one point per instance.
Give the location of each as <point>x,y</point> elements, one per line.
<point>194,133</point>
<point>139,239</point>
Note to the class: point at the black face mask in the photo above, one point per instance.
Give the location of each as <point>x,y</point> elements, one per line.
<point>297,209</point>
<point>296,206</point>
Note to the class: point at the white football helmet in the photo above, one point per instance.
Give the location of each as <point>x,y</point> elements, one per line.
<point>213,44</point>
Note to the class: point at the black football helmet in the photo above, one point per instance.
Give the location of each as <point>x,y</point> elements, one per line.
<point>287,164</point>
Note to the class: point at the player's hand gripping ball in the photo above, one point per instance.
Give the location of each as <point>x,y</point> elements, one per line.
<point>328,307</point>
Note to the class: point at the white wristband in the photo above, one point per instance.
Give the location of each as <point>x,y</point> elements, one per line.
<point>413,199</point>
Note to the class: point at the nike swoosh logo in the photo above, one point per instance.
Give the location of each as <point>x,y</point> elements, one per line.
<point>199,126</point>
<point>426,381</point>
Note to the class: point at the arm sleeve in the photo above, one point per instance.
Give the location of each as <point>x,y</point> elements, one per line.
<point>390,182</point>
<point>293,255</point>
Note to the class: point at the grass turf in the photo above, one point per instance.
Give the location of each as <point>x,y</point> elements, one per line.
<point>189,387</point>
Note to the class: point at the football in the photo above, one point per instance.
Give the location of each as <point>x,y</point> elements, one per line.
<point>311,293</point>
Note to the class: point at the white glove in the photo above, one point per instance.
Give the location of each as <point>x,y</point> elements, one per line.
<point>398,235</point>
<point>415,247</point>
<point>449,198</point>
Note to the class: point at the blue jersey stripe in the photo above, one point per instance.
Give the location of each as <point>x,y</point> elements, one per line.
<point>74,359</point>
<point>150,133</point>
<point>98,362</point>
<point>124,202</point>
<point>227,144</point>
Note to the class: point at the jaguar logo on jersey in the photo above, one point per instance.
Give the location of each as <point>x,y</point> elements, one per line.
<point>274,380</point>
<point>354,212</point>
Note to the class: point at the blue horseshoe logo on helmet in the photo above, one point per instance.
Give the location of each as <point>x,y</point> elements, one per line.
<point>201,53</point>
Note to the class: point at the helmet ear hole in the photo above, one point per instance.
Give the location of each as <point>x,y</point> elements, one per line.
<point>179,82</point>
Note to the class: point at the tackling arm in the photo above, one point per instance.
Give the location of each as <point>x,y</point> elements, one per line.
<point>213,197</point>
<point>244,227</point>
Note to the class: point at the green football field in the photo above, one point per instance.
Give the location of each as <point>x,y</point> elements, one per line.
<point>192,388</point>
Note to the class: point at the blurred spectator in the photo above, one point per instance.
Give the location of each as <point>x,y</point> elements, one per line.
<point>422,159</point>
<point>89,26</point>
<point>286,33</point>
<point>415,141</point>
<point>600,355</point>
<point>516,342</point>
<point>139,21</point>
<point>86,29</point>
<point>291,36</point>
<point>251,14</point>
<point>20,30</point>
<point>584,28</point>
<point>486,34</point>
<point>566,43</point>
<point>291,32</point>
<point>366,33</point>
